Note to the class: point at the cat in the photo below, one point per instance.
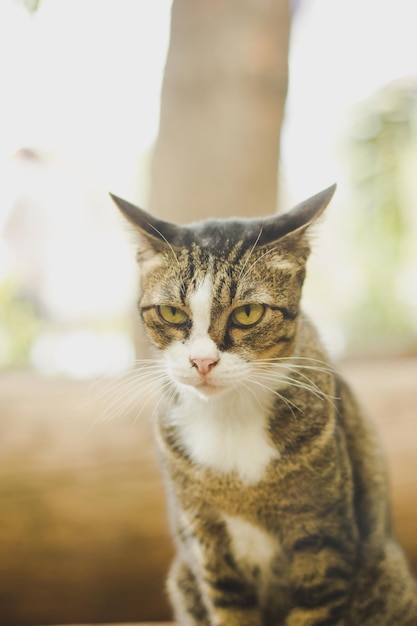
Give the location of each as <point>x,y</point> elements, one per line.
<point>275,481</point>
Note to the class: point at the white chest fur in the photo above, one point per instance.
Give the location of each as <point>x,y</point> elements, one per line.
<point>226,434</point>
<point>252,547</point>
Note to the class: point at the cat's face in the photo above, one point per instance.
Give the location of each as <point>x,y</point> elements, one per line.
<point>221,300</point>
<point>213,316</point>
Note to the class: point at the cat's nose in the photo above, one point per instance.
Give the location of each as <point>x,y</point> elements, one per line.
<point>204,365</point>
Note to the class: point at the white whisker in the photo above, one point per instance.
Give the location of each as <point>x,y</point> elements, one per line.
<point>288,403</point>
<point>250,254</point>
<point>293,382</point>
<point>168,392</point>
<point>124,391</point>
<point>292,361</point>
<point>257,260</point>
<point>117,390</point>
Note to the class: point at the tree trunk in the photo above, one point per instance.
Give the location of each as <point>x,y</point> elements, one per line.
<point>222,106</point>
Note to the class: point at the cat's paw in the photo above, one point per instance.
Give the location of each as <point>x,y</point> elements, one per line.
<point>241,618</point>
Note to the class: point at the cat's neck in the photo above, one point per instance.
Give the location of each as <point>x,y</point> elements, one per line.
<point>226,433</point>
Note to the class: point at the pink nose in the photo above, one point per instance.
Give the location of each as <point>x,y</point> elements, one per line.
<point>204,365</point>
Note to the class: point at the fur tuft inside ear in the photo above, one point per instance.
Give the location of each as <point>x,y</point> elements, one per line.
<point>298,219</point>
<point>155,234</point>
<point>308,211</point>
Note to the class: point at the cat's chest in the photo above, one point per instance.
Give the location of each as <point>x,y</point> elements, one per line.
<point>255,550</point>
<point>229,435</point>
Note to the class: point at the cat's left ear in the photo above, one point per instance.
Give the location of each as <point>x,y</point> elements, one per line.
<point>298,220</point>
<point>310,210</point>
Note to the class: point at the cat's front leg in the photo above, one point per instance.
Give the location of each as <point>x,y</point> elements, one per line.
<point>206,584</point>
<point>322,569</point>
<point>231,601</point>
<point>212,600</point>
<point>185,596</point>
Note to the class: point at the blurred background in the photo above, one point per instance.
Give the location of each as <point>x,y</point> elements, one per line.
<point>190,111</point>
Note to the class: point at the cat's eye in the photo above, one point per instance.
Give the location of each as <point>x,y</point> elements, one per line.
<point>172,315</point>
<point>248,315</point>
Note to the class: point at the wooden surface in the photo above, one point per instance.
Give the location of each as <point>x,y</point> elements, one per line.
<point>387,391</point>
<point>83,531</point>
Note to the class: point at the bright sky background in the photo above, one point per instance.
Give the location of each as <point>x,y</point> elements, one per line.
<point>81,80</point>
<point>342,51</point>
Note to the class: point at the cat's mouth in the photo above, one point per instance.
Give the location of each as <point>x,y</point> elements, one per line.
<point>209,388</point>
<point>206,388</point>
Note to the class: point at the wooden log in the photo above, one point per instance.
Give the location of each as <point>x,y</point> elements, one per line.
<point>84,536</point>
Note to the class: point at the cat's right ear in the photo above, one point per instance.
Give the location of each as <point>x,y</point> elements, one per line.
<point>155,235</point>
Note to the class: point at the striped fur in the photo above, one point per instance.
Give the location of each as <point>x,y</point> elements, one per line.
<point>275,481</point>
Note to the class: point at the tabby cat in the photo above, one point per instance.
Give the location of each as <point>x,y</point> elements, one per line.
<point>275,481</point>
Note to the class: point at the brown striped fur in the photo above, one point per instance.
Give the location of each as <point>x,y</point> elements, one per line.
<point>297,531</point>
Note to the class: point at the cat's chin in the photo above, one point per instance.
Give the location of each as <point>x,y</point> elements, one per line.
<point>206,390</point>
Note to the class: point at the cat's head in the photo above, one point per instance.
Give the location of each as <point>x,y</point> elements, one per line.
<point>218,297</point>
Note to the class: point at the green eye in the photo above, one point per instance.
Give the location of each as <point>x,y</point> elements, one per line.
<point>172,315</point>
<point>248,314</point>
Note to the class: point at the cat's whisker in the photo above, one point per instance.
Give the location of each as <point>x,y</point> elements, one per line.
<point>250,254</point>
<point>171,249</point>
<point>121,378</point>
<point>296,369</point>
<point>166,241</point>
<point>117,389</point>
<point>122,404</point>
<point>286,401</point>
<point>162,392</point>
<point>293,382</point>
<point>276,371</point>
<point>121,396</point>
<point>292,361</point>
<point>168,392</point>
<point>104,382</point>
<point>246,388</point>
<point>319,391</point>
<point>257,261</point>
<point>144,395</point>
<point>115,393</point>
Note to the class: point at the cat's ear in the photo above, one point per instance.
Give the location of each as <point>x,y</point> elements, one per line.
<point>299,219</point>
<point>154,234</point>
<point>307,212</point>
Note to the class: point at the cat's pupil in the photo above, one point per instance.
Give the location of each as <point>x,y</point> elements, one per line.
<point>173,311</point>
<point>247,310</point>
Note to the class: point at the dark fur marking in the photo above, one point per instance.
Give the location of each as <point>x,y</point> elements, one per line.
<point>317,543</point>
<point>285,338</point>
<point>227,342</point>
<point>334,617</point>
<point>229,560</point>
<point>245,601</point>
<point>287,314</point>
<point>229,585</point>
<point>375,607</point>
<point>338,572</point>
<point>319,595</point>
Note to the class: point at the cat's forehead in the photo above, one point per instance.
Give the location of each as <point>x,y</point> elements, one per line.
<point>220,237</point>
<point>232,273</point>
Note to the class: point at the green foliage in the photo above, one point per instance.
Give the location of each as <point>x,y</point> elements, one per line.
<point>19,325</point>
<point>31,5</point>
<point>382,145</point>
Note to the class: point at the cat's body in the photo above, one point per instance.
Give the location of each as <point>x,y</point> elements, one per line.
<point>275,482</point>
